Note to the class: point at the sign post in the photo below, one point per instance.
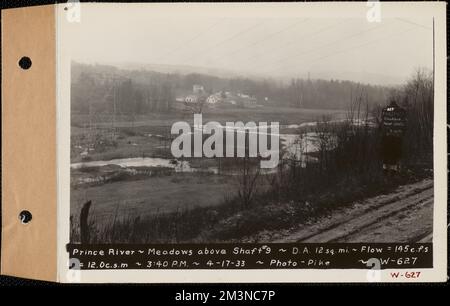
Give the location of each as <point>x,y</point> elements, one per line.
<point>393,129</point>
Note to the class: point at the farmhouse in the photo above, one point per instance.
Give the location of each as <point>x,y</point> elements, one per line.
<point>213,99</point>
<point>191,99</point>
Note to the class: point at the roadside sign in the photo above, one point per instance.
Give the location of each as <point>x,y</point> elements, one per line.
<point>393,120</point>
<point>393,128</point>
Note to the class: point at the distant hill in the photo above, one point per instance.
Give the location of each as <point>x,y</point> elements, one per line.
<point>183,69</point>
<point>359,77</point>
<point>150,88</point>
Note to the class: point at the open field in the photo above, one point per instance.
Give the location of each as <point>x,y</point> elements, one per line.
<point>152,195</point>
<point>140,202</point>
<point>122,195</point>
<point>149,136</point>
<point>284,115</point>
<point>141,142</point>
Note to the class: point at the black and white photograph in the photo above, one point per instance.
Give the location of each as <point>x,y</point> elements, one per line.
<point>210,128</point>
<point>258,144</point>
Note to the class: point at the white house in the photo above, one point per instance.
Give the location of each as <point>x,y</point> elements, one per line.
<point>213,99</point>
<point>191,99</point>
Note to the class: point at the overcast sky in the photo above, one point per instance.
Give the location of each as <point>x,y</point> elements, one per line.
<point>339,48</point>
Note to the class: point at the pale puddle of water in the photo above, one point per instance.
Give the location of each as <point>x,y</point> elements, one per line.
<point>134,162</point>
<point>177,165</point>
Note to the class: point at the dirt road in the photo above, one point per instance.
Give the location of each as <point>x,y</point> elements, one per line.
<point>405,215</point>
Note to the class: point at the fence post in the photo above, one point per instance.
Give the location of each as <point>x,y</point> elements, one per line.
<point>84,225</point>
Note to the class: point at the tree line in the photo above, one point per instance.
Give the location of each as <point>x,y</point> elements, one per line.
<point>107,89</point>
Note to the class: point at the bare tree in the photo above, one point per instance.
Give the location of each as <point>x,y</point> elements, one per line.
<point>419,102</point>
<point>247,181</point>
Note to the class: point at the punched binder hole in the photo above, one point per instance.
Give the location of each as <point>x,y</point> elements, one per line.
<point>25,216</point>
<point>25,62</point>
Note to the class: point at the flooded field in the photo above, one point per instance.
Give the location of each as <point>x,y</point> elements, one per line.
<point>130,171</point>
